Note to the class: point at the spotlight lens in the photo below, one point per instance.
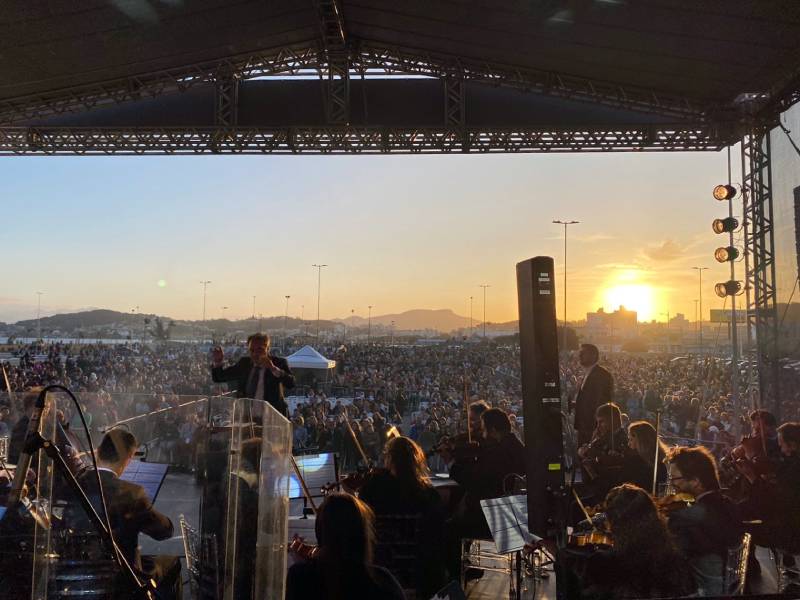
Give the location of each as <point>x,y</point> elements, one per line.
<point>724,192</point>
<point>721,254</point>
<point>720,290</point>
<point>724,225</point>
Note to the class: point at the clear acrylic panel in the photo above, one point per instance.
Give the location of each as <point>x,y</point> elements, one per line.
<point>227,466</point>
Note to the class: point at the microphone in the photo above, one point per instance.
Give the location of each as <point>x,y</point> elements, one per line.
<point>24,462</point>
<point>596,520</point>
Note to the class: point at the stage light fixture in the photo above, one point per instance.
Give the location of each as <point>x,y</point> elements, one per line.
<point>729,288</point>
<point>724,192</point>
<point>726,253</point>
<point>725,225</point>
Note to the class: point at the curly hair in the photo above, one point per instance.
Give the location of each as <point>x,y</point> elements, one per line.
<point>643,546</point>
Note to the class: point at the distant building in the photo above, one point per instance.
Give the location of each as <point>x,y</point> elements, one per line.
<point>603,327</point>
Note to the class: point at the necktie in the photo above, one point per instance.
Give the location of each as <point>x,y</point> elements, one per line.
<point>252,384</point>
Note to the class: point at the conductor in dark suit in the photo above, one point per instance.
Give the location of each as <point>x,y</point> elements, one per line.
<point>130,511</point>
<point>596,389</point>
<point>259,376</point>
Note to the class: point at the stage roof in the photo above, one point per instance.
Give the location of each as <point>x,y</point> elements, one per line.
<point>697,64</point>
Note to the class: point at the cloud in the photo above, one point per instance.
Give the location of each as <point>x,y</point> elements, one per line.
<point>667,251</point>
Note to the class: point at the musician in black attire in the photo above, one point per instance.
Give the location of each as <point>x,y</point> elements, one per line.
<point>596,389</point>
<point>259,375</point>
<point>404,488</point>
<point>643,563</point>
<point>130,512</point>
<point>486,475</point>
<point>775,495</point>
<point>709,527</point>
<point>342,569</point>
<point>637,467</point>
<point>603,458</point>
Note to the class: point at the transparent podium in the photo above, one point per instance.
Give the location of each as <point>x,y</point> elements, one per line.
<point>218,467</point>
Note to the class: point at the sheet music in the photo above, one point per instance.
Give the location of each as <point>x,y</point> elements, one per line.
<point>148,475</point>
<point>508,521</point>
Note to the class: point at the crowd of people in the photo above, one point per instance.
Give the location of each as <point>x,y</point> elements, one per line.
<point>458,408</point>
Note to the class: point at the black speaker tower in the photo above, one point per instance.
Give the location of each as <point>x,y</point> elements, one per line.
<point>541,394</point>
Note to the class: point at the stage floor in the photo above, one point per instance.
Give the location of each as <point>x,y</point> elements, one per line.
<point>180,495</point>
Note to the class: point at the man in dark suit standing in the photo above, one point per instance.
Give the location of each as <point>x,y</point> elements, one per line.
<point>130,511</point>
<point>596,389</point>
<point>259,376</point>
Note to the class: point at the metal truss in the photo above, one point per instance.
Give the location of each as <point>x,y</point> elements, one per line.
<point>278,61</point>
<point>336,62</point>
<point>373,55</point>
<point>454,102</point>
<point>363,58</point>
<point>762,311</point>
<point>226,100</point>
<point>350,140</point>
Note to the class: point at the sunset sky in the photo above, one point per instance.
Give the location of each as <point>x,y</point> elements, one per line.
<point>398,232</point>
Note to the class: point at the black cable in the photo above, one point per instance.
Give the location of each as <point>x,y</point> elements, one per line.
<point>56,386</point>
<point>789,137</point>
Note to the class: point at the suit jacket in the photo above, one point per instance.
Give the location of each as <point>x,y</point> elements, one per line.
<point>709,526</point>
<point>129,509</point>
<point>484,476</point>
<point>598,388</point>
<point>273,387</point>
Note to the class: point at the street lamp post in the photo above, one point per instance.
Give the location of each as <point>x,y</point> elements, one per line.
<point>484,286</point>
<point>392,335</point>
<point>369,324</point>
<point>39,316</point>
<point>700,273</point>
<point>254,308</point>
<point>565,224</point>
<point>205,285</point>
<point>319,285</point>
<point>470,316</point>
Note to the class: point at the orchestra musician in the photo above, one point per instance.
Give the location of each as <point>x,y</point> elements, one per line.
<point>403,487</point>
<point>639,462</point>
<point>130,512</point>
<point>643,561</point>
<point>596,389</point>
<point>484,475</point>
<point>342,567</point>
<point>259,375</point>
<point>464,445</point>
<point>603,457</point>
<point>706,529</point>
<point>775,495</point>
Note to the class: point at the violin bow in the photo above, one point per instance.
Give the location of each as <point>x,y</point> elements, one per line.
<point>355,439</point>
<point>583,508</point>
<point>11,394</point>
<point>303,484</point>
<point>655,460</point>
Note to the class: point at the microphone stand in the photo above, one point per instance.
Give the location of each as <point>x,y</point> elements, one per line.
<point>36,442</point>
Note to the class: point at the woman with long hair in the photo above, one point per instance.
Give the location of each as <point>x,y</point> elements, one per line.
<point>638,466</point>
<point>403,488</point>
<point>342,568</point>
<point>644,562</point>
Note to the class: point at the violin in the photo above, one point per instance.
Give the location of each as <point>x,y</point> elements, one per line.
<point>749,459</point>
<point>353,482</point>
<point>669,504</point>
<point>301,549</point>
<point>596,539</point>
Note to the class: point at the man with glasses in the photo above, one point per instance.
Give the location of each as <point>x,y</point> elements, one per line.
<point>710,526</point>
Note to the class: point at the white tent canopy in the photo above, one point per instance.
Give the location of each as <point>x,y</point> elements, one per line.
<point>308,358</point>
